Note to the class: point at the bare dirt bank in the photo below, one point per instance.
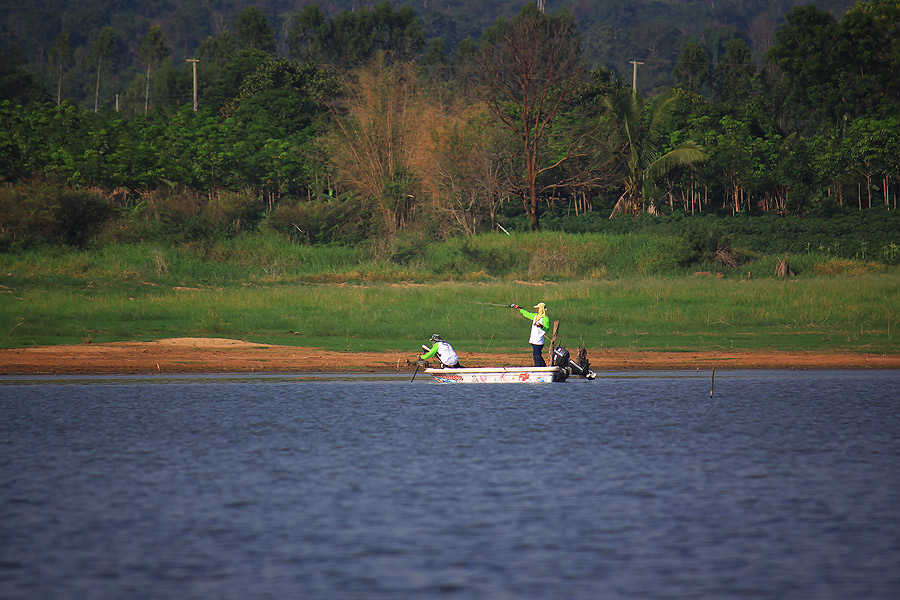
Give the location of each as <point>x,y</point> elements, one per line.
<point>213,355</point>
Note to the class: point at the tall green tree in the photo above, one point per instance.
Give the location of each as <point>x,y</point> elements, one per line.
<point>398,32</point>
<point>60,55</point>
<point>692,70</point>
<point>16,81</point>
<point>303,39</point>
<point>277,114</point>
<point>355,38</point>
<point>871,149</point>
<point>217,50</point>
<point>435,54</point>
<point>222,77</point>
<point>806,52</point>
<point>836,70</point>
<point>152,51</point>
<point>735,73</point>
<point>642,142</point>
<point>102,50</point>
<point>751,164</point>
<point>222,68</point>
<point>871,31</point>
<point>254,32</point>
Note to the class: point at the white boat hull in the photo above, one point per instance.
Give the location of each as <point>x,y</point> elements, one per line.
<point>499,375</point>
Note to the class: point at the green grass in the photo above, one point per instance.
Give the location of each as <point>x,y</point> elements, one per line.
<point>835,313</point>
<point>626,291</point>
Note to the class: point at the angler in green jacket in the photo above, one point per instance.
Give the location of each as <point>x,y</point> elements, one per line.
<point>540,324</point>
<point>444,351</point>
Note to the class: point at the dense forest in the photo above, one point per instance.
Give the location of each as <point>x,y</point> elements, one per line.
<point>184,120</point>
<point>613,34</point>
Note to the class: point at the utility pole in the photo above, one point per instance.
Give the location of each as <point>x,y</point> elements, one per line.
<point>194,61</point>
<point>634,81</point>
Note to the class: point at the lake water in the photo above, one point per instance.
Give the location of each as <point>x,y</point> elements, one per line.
<point>637,485</point>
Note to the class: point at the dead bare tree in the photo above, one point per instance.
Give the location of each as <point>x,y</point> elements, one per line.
<point>527,70</point>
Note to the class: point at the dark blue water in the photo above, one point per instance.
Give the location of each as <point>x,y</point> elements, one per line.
<point>783,485</point>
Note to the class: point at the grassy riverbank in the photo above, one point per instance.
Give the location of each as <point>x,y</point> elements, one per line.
<point>347,299</point>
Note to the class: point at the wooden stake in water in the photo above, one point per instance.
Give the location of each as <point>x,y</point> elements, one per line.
<point>712,382</point>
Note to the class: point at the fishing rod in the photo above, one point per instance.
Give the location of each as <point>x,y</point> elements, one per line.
<point>491,304</point>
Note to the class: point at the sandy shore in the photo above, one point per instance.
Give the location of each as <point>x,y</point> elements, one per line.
<point>213,355</point>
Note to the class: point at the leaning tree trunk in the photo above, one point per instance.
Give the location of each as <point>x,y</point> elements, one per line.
<point>97,89</point>
<point>147,93</point>
<point>59,87</point>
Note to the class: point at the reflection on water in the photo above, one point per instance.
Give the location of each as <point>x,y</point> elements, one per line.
<point>636,485</point>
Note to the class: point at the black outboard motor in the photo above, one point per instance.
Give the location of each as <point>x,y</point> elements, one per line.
<point>564,360</point>
<point>561,357</point>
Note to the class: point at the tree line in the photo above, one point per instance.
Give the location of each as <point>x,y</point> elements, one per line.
<point>364,129</point>
<point>613,32</point>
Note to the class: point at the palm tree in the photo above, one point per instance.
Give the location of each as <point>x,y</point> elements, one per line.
<point>642,141</point>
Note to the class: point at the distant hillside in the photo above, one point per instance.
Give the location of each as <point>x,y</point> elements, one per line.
<point>615,32</point>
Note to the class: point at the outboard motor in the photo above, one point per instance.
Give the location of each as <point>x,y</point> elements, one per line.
<point>560,358</point>
<point>563,359</point>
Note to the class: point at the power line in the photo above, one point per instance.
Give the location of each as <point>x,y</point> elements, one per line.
<point>700,62</point>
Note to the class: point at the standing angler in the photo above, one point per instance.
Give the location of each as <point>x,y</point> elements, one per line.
<point>540,324</point>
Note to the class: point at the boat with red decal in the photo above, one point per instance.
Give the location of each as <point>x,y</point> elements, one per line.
<point>562,368</point>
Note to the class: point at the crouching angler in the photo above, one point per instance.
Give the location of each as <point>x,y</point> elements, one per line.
<point>444,351</point>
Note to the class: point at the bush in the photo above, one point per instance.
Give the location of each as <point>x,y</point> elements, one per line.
<point>41,212</point>
<point>236,211</point>
<point>318,221</point>
<point>704,240</point>
<point>183,216</point>
<point>486,254</point>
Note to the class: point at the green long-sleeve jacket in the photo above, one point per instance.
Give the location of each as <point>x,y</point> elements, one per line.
<point>545,322</point>
<point>445,353</point>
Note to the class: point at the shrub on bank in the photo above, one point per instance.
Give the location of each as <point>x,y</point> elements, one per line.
<point>42,212</point>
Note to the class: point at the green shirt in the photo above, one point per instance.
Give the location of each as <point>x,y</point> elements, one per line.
<point>544,323</point>
<point>431,352</point>
<point>445,353</point>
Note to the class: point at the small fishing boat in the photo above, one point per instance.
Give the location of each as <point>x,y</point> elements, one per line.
<point>561,370</point>
<point>500,375</point>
